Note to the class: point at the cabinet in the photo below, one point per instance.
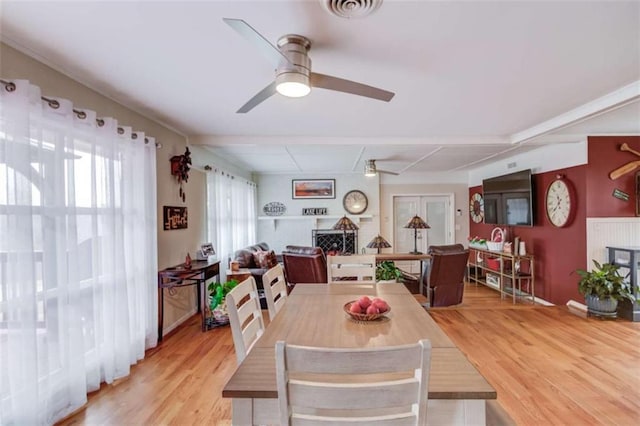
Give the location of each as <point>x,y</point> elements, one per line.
<point>511,275</point>
<point>628,259</point>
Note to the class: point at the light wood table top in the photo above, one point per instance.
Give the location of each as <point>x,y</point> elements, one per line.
<point>401,256</point>
<point>313,316</point>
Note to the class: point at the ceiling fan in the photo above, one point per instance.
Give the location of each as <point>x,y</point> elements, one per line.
<point>293,69</point>
<point>370,169</point>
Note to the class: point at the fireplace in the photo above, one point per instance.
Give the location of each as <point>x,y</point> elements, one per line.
<point>328,239</point>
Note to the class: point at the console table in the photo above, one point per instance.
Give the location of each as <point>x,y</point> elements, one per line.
<point>178,276</point>
<point>497,269</point>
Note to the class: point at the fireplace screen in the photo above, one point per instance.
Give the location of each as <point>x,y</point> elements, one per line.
<point>328,239</point>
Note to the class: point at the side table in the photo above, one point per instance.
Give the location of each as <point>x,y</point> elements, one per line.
<point>178,276</point>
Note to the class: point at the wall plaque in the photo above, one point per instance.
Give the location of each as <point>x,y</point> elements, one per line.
<point>274,208</point>
<point>314,211</point>
<point>174,217</point>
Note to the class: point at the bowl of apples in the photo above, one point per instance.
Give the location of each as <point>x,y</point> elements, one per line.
<point>366,309</point>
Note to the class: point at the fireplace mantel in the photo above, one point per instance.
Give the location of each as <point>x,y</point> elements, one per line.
<point>274,219</point>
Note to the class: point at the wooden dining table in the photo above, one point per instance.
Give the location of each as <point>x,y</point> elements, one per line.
<point>313,315</point>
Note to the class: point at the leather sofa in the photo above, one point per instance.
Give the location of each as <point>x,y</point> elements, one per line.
<point>304,265</point>
<point>445,274</point>
<point>245,260</point>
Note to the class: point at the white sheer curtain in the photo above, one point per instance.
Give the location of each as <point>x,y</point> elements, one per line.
<point>231,214</point>
<point>78,301</point>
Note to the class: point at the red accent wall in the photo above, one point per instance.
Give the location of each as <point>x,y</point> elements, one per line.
<point>604,157</point>
<point>559,251</point>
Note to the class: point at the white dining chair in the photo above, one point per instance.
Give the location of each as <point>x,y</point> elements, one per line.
<point>245,316</point>
<point>356,269</point>
<point>372,386</point>
<point>275,289</point>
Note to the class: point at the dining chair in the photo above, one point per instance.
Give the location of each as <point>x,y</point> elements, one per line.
<point>373,386</point>
<point>245,316</point>
<point>354,269</point>
<point>275,289</point>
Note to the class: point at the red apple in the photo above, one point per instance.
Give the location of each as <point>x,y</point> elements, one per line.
<point>364,301</point>
<point>381,305</point>
<point>372,309</point>
<point>355,308</point>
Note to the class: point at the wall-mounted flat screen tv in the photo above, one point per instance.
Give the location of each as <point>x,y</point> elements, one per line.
<point>508,199</point>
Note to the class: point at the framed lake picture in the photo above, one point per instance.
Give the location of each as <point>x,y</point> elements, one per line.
<point>313,188</point>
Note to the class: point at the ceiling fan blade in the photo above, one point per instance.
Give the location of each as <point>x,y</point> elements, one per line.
<point>388,173</point>
<point>341,85</point>
<point>267,49</point>
<point>261,96</point>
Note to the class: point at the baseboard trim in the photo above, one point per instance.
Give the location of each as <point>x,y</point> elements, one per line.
<point>179,321</point>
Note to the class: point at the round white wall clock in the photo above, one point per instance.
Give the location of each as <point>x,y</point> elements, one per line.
<point>355,202</point>
<point>560,202</point>
<point>476,208</point>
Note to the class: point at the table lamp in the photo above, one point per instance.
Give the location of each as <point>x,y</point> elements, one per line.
<point>345,224</point>
<point>416,223</point>
<point>378,242</point>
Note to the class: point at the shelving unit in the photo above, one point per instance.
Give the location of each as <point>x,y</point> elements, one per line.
<point>496,270</point>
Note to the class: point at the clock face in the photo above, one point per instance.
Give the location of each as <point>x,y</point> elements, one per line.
<point>476,208</point>
<point>355,202</point>
<point>559,203</point>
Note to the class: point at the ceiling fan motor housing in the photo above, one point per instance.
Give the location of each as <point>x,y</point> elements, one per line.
<point>295,48</point>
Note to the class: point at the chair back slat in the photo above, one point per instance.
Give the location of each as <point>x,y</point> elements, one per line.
<point>275,289</point>
<point>376,386</point>
<point>359,268</point>
<point>245,316</point>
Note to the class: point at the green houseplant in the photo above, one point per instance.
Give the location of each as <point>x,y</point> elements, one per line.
<point>388,271</point>
<point>217,298</point>
<point>603,287</point>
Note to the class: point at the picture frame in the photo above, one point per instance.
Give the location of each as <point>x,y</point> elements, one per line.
<point>313,188</point>
<point>207,249</point>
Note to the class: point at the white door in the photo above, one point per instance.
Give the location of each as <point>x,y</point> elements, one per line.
<point>436,210</point>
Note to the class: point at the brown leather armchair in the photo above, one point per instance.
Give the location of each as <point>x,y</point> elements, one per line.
<point>445,274</point>
<point>304,265</point>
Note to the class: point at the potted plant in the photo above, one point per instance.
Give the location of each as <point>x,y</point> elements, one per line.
<point>388,271</point>
<point>217,299</point>
<point>603,287</point>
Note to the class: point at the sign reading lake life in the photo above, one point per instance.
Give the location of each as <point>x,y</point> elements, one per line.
<point>274,208</point>
<point>174,217</point>
<point>314,211</point>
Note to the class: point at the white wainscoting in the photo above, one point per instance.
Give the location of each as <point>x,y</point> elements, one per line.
<point>603,232</point>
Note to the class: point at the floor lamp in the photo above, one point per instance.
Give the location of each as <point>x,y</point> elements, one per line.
<point>416,223</point>
<point>345,224</point>
<point>378,242</point>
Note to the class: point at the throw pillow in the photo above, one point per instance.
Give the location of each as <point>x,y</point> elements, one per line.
<point>272,260</point>
<point>260,257</point>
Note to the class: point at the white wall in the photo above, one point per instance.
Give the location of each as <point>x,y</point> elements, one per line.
<point>281,231</point>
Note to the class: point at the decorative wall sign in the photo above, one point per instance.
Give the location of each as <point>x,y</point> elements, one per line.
<point>314,211</point>
<point>174,217</point>
<point>313,188</point>
<point>274,208</point>
<point>621,195</point>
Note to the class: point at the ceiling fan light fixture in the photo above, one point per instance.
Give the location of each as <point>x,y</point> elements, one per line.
<point>370,168</point>
<point>293,85</point>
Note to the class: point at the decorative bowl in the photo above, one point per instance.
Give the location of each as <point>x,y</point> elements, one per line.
<point>363,317</point>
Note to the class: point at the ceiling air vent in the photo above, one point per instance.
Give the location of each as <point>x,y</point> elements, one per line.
<point>351,8</point>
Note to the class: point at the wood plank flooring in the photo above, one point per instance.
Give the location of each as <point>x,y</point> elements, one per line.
<point>547,365</point>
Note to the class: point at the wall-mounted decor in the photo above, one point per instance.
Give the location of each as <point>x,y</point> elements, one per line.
<point>314,211</point>
<point>174,217</point>
<point>180,166</point>
<point>313,188</point>
<point>476,208</point>
<point>560,202</point>
<point>620,195</point>
<point>626,168</point>
<point>274,208</point>
<point>355,202</point>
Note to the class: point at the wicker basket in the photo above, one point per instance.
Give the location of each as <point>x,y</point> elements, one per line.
<point>497,240</point>
<point>495,245</point>
<point>363,317</point>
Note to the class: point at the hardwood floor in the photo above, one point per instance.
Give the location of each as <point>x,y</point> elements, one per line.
<point>547,365</point>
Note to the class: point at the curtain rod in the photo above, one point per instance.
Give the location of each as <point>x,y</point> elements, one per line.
<point>10,87</point>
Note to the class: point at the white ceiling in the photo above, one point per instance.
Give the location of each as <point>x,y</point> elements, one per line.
<point>473,80</point>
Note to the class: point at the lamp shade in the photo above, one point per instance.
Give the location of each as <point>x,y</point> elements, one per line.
<point>345,224</point>
<point>378,242</point>
<point>416,222</point>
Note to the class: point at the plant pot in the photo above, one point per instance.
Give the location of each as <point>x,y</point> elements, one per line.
<point>386,281</point>
<point>601,307</point>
